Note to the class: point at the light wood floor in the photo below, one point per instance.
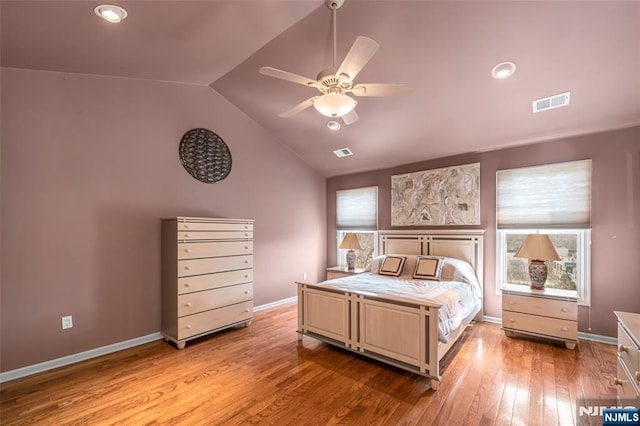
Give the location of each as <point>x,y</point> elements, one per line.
<point>261,374</point>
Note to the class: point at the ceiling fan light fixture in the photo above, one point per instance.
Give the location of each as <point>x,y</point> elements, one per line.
<point>503,70</point>
<point>110,13</point>
<point>334,104</point>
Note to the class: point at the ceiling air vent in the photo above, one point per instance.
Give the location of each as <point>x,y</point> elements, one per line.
<point>343,152</point>
<point>555,101</point>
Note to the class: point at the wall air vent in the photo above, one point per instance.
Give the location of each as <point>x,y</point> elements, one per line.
<point>555,101</point>
<point>343,152</point>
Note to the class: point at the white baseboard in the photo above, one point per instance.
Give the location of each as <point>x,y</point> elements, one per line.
<point>82,356</point>
<point>282,302</point>
<point>581,335</point>
<point>93,353</point>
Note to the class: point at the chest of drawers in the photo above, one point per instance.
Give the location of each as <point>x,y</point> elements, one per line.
<point>628,378</point>
<point>207,276</point>
<point>543,313</point>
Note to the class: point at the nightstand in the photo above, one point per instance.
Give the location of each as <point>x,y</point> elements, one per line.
<point>548,313</point>
<point>341,271</point>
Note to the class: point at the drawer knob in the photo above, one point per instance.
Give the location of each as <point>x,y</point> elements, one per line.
<point>246,310</point>
<point>511,320</point>
<point>187,250</point>
<point>246,227</point>
<point>246,292</point>
<point>188,268</point>
<point>246,261</point>
<point>186,226</point>
<point>188,304</point>
<point>246,248</point>
<point>188,327</point>
<point>564,310</point>
<point>187,285</point>
<point>187,235</point>
<point>246,276</point>
<point>622,348</point>
<point>564,329</point>
<point>246,235</point>
<point>511,302</point>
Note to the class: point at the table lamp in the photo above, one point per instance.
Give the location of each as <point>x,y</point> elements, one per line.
<point>350,241</point>
<point>537,248</point>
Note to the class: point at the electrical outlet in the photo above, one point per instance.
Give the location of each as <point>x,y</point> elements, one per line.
<point>67,322</point>
<point>304,276</point>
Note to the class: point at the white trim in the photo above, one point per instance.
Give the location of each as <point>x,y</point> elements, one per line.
<point>275,304</point>
<point>81,356</point>
<point>104,350</point>
<point>597,338</point>
<point>495,320</point>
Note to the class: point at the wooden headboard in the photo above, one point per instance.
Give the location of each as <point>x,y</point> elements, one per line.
<point>465,244</point>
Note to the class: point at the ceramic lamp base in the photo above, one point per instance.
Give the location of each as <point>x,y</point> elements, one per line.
<point>537,274</point>
<point>351,259</point>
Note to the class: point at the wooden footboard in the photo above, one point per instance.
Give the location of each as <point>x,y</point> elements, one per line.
<point>401,334</point>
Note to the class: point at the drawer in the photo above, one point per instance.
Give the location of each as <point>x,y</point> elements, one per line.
<point>203,322</point>
<point>218,248</point>
<point>214,235</point>
<point>628,352</point>
<point>540,325</point>
<point>209,281</point>
<point>564,309</point>
<point>333,275</point>
<point>215,264</point>
<point>192,303</point>
<point>213,226</point>
<point>625,388</point>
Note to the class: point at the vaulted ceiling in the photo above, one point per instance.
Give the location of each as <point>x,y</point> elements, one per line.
<point>445,49</point>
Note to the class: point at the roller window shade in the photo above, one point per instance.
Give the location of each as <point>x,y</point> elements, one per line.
<point>357,208</point>
<point>548,196</point>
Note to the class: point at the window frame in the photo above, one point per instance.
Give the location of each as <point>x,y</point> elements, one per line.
<point>583,258</point>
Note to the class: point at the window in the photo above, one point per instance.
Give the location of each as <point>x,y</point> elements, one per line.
<point>553,199</point>
<point>357,212</point>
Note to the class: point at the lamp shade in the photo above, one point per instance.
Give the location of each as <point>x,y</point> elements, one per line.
<point>350,241</point>
<point>334,104</point>
<point>539,247</point>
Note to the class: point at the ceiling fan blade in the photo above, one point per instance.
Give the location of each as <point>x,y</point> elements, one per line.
<point>285,75</point>
<point>382,89</point>
<point>296,109</point>
<point>362,50</point>
<point>351,117</point>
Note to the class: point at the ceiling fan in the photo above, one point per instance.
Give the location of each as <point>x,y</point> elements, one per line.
<point>336,82</point>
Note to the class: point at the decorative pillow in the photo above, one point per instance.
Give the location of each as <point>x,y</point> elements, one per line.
<point>392,265</point>
<point>428,268</point>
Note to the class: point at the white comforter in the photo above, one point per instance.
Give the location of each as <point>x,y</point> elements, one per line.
<point>455,299</point>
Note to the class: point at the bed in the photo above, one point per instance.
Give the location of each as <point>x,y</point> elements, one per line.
<point>404,320</point>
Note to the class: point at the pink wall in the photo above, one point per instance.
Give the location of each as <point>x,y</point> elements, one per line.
<point>615,214</point>
<point>89,166</point>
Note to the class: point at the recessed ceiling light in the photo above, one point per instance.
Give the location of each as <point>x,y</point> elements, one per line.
<point>333,125</point>
<point>110,13</point>
<point>503,70</point>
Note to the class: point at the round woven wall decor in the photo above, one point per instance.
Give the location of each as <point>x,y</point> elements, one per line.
<point>205,155</point>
